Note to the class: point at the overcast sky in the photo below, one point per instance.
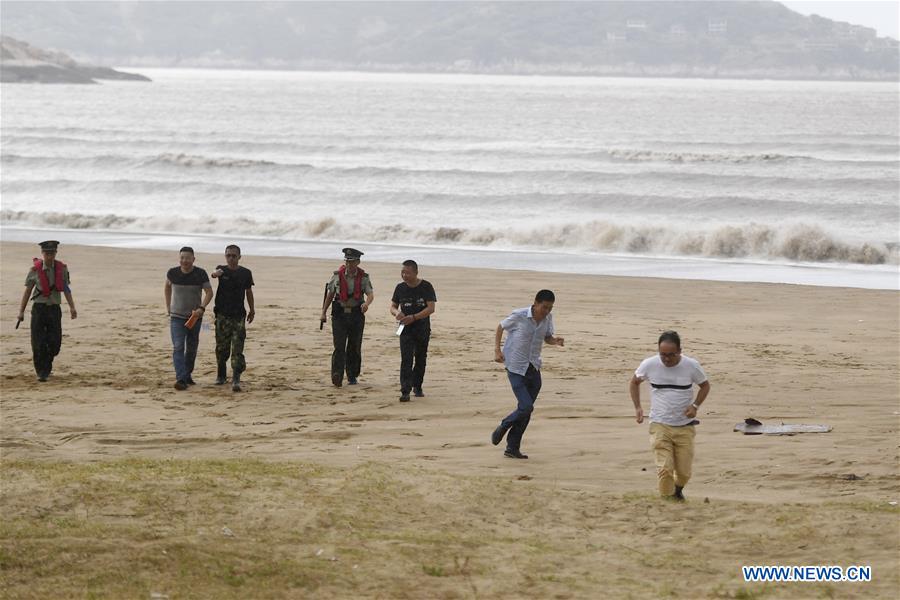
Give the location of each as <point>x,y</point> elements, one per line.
<point>881,15</point>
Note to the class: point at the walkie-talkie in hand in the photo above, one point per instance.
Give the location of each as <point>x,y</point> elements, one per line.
<point>324,297</point>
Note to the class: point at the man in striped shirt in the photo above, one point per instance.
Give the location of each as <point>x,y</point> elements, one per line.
<point>184,286</point>
<point>672,376</point>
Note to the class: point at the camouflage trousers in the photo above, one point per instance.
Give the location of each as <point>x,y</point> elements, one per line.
<point>230,335</point>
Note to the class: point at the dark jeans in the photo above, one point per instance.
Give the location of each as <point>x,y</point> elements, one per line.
<point>413,351</point>
<point>184,346</point>
<point>526,388</point>
<point>347,330</point>
<point>46,335</point>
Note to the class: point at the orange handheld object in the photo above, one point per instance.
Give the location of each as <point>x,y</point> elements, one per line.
<point>192,321</point>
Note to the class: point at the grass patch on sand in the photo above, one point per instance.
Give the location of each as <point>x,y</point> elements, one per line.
<point>247,528</point>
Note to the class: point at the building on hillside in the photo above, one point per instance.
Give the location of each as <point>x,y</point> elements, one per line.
<point>717,26</point>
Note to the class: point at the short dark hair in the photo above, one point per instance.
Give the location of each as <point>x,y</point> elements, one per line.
<point>544,296</point>
<point>186,249</point>
<point>670,336</point>
<point>412,264</point>
<point>235,246</point>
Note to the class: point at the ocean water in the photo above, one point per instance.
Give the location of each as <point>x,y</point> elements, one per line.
<point>593,171</point>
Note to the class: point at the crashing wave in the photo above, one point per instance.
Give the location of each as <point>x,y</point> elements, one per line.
<point>189,160</point>
<point>786,242</point>
<point>682,157</point>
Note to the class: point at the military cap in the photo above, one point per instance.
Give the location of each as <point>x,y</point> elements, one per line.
<point>351,254</point>
<point>49,245</point>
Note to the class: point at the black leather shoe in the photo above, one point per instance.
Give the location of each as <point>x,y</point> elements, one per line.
<point>351,381</point>
<point>418,393</point>
<point>190,381</point>
<point>497,435</point>
<point>514,454</point>
<point>404,397</point>
<point>180,385</point>
<point>336,379</point>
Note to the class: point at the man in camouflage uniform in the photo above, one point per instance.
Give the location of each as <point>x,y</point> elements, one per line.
<point>235,282</point>
<point>345,294</point>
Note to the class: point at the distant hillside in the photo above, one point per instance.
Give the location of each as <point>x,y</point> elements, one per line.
<point>22,63</point>
<point>761,39</point>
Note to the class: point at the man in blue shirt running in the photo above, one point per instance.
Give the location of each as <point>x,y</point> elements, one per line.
<point>527,330</point>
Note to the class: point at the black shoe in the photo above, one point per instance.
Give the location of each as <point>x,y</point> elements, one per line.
<point>678,495</point>
<point>351,381</point>
<point>514,454</point>
<point>404,397</point>
<point>190,381</point>
<point>180,385</point>
<point>42,377</point>
<point>220,380</point>
<point>336,379</point>
<point>497,435</point>
<point>418,393</point>
<point>236,386</point>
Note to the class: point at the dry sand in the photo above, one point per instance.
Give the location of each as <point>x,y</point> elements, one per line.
<point>775,352</point>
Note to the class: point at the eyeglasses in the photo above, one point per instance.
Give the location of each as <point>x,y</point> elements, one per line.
<point>231,256</point>
<point>669,354</point>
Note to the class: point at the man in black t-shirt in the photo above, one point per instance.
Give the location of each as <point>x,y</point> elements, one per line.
<point>412,304</point>
<point>235,282</point>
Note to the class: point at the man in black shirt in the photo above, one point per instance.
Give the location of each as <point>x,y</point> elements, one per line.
<point>235,282</point>
<point>412,304</point>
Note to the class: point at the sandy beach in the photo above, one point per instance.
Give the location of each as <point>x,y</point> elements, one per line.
<point>779,353</point>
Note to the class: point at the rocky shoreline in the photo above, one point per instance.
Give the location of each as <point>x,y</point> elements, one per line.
<point>23,63</point>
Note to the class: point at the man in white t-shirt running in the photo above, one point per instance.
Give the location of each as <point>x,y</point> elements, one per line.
<point>672,376</point>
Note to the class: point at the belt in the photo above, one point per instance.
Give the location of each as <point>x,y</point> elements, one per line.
<point>336,307</point>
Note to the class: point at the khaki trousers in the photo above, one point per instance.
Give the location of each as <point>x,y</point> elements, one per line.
<point>673,448</point>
